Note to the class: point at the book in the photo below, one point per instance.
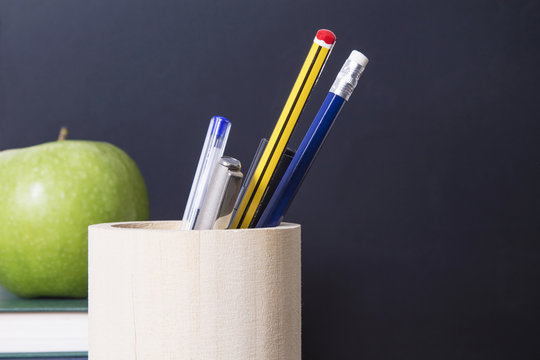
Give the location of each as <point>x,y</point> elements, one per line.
<point>43,328</point>
<point>45,356</point>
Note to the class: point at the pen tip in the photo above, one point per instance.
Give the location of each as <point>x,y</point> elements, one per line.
<point>220,125</point>
<point>326,36</point>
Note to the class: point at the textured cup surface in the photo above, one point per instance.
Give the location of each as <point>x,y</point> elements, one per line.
<point>158,292</point>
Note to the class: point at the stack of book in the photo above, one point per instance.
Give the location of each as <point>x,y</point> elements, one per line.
<point>43,328</point>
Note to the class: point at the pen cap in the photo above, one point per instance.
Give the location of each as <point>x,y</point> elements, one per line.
<point>230,163</point>
<point>220,127</point>
<point>349,74</point>
<point>234,184</point>
<point>218,203</point>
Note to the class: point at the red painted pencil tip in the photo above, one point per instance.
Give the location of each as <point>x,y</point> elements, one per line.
<point>326,35</point>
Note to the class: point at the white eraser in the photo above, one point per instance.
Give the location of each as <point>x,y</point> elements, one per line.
<point>358,58</point>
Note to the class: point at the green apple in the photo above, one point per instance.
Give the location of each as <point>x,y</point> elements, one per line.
<point>49,194</point>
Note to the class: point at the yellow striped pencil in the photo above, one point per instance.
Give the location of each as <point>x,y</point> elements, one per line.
<point>322,45</point>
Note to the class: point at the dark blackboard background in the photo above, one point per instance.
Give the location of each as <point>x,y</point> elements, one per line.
<point>421,217</point>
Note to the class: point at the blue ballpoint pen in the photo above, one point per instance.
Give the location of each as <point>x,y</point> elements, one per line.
<point>213,148</point>
<point>340,92</point>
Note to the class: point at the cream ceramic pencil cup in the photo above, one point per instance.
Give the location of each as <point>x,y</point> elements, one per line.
<point>157,292</point>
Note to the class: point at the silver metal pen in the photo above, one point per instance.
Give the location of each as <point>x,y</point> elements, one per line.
<point>223,188</point>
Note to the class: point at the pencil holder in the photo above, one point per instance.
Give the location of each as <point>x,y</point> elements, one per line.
<point>158,292</point>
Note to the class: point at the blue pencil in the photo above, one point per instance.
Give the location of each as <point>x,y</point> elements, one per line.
<point>339,93</point>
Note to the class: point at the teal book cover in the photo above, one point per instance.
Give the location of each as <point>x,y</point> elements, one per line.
<point>12,303</point>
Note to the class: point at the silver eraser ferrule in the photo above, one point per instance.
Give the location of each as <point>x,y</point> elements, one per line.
<point>349,74</point>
